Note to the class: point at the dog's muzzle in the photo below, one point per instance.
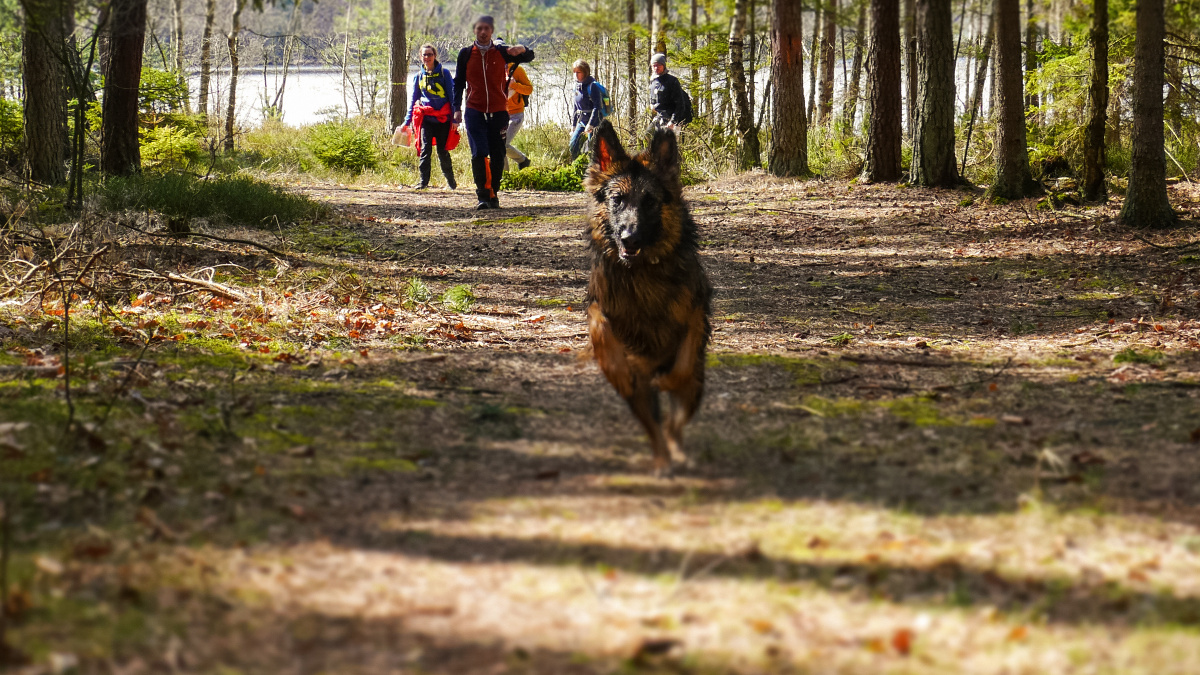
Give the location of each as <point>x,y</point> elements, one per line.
<point>629,245</point>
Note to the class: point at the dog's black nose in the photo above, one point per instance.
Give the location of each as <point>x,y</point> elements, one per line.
<point>631,240</point>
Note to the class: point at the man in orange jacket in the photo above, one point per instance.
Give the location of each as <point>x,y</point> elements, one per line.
<point>481,74</point>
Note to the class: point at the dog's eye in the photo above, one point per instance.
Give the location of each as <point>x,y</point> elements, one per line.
<point>618,199</point>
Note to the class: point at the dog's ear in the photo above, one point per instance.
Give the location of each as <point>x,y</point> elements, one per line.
<point>665,158</point>
<point>607,154</point>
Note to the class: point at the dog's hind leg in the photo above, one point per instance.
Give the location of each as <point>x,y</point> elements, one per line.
<point>630,382</point>
<point>644,404</point>
<point>684,384</point>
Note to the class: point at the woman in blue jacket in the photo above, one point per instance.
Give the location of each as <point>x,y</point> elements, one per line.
<point>588,104</point>
<point>432,94</point>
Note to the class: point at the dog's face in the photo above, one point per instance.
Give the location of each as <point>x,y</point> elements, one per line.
<point>638,210</point>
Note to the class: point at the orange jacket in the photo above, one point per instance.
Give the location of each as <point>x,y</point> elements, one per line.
<point>520,85</point>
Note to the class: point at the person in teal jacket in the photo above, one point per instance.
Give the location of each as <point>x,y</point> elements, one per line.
<point>432,99</point>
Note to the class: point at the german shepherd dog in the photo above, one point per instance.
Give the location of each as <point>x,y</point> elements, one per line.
<point>648,297</point>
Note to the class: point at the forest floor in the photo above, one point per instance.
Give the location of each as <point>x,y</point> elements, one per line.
<point>937,437</point>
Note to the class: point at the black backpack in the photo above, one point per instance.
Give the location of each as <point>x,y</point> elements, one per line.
<point>685,107</point>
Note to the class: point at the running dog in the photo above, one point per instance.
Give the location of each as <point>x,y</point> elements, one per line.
<point>648,298</point>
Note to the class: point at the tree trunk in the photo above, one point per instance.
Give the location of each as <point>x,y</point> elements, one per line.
<point>660,30</point>
<point>752,57</point>
<point>120,154</point>
<point>44,45</point>
<point>177,51</point>
<point>910,64</point>
<point>933,162</point>
<point>694,85</point>
<point>1031,50</point>
<point>814,48</point>
<point>789,142</point>
<point>748,151</point>
<point>883,94</point>
<point>631,58</point>
<point>850,107</point>
<point>1013,179</point>
<point>1146,203</point>
<point>1093,147</point>
<point>825,105</point>
<point>1173,105</point>
<point>398,92</point>
<point>210,16</point>
<point>231,109</point>
<point>981,72</point>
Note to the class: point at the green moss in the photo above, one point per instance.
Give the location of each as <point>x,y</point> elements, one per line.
<point>804,371</point>
<point>386,465</point>
<point>1132,355</point>
<point>549,302</point>
<point>920,411</point>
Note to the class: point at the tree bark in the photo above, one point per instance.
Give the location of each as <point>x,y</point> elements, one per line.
<point>1093,147</point>
<point>813,50</point>
<point>1031,50</point>
<point>789,142</point>
<point>43,65</point>
<point>850,106</point>
<point>398,92</point>
<point>933,162</point>
<point>210,16</point>
<point>231,109</point>
<point>825,105</point>
<point>177,51</point>
<point>631,57</point>
<point>752,56</point>
<point>981,72</point>
<point>1146,203</point>
<point>884,132</point>
<point>660,30</point>
<point>120,154</point>
<point>910,64</point>
<point>748,150</point>
<point>1013,179</point>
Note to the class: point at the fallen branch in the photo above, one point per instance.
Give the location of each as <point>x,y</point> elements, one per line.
<point>900,362</point>
<point>211,287</point>
<point>1177,247</point>
<point>225,240</point>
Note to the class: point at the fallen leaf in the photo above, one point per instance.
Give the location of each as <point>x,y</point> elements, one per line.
<point>48,565</point>
<point>1017,634</point>
<point>761,626</point>
<point>876,645</point>
<point>902,641</point>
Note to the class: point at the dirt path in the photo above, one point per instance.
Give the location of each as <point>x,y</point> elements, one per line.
<point>936,438</point>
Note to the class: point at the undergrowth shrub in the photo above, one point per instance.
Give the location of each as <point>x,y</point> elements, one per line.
<point>12,130</point>
<point>342,145</point>
<point>458,298</point>
<point>171,146</point>
<point>558,179</point>
<point>239,199</point>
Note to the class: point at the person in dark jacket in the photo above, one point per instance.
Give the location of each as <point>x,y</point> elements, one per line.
<point>666,97</point>
<point>432,94</point>
<point>588,104</point>
<point>481,74</point>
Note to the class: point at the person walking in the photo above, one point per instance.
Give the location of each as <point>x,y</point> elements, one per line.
<point>480,75</point>
<point>588,105</point>
<point>667,98</point>
<point>519,90</point>
<point>429,113</point>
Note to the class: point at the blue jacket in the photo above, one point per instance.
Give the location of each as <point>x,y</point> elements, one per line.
<point>434,89</point>
<point>588,102</point>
